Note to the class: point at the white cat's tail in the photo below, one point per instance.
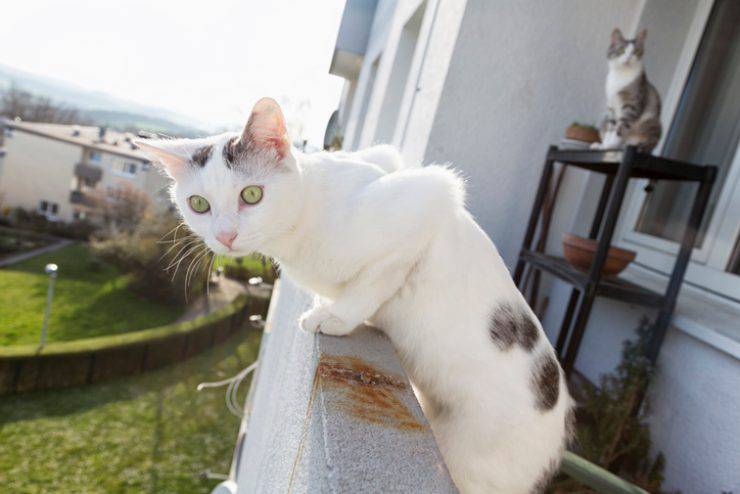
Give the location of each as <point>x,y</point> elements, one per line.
<point>385,156</point>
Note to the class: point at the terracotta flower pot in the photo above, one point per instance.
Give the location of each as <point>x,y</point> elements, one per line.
<point>579,252</point>
<point>582,133</point>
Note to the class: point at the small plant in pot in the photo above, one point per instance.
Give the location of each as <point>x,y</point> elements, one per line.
<point>580,136</point>
<point>582,132</point>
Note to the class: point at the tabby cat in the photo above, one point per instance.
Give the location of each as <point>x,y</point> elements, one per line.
<point>633,103</point>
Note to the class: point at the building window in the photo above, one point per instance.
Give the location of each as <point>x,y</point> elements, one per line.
<point>95,156</point>
<point>48,209</point>
<point>399,78</point>
<point>366,96</point>
<point>705,130</point>
<point>129,168</point>
<point>706,127</point>
<point>79,215</point>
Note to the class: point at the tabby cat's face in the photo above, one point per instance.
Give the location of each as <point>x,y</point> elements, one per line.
<point>626,52</point>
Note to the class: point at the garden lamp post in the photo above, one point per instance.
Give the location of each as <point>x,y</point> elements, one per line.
<point>51,270</point>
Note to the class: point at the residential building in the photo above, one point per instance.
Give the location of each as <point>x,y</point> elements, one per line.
<point>54,169</point>
<point>488,86</point>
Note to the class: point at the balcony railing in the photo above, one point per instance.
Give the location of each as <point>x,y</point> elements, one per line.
<point>328,414</point>
<point>91,173</point>
<point>80,198</point>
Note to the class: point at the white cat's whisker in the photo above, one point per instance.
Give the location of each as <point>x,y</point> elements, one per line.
<point>182,258</point>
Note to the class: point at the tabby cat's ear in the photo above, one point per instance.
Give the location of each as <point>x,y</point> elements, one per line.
<point>641,37</point>
<point>266,128</point>
<point>617,36</point>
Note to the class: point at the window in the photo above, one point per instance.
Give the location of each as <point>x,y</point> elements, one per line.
<point>79,215</point>
<point>95,156</point>
<point>130,168</point>
<point>396,87</point>
<point>705,130</point>
<point>48,209</point>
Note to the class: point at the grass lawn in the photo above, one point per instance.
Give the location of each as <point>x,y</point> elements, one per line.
<point>91,298</point>
<point>252,263</point>
<point>148,433</point>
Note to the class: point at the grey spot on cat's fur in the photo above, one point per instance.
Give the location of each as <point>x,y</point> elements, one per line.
<point>508,326</point>
<point>546,382</point>
<point>546,476</point>
<point>570,427</point>
<point>202,155</point>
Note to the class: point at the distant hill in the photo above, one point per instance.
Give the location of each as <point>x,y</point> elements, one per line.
<point>102,108</point>
<point>126,121</point>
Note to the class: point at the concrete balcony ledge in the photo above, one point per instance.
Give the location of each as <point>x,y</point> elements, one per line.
<point>89,172</point>
<point>80,198</point>
<point>328,414</point>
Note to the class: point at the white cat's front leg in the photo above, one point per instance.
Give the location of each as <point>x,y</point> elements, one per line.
<point>320,318</point>
<point>360,299</point>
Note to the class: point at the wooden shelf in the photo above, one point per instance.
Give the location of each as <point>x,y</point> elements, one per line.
<point>610,287</point>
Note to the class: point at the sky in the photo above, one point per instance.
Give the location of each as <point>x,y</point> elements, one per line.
<point>210,59</point>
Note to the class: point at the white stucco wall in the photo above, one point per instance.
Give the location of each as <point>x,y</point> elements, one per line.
<point>426,74</point>
<point>695,417</point>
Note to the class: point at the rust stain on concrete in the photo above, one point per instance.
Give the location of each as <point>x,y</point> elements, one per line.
<point>367,393</point>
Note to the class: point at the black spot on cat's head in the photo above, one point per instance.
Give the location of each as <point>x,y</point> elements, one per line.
<point>508,326</point>
<point>546,382</point>
<point>231,151</point>
<point>201,155</point>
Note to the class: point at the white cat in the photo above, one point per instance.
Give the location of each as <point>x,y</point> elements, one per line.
<point>399,250</point>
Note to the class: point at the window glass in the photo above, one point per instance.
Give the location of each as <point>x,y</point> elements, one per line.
<point>706,127</point>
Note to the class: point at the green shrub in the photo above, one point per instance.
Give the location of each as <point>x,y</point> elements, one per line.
<point>612,429</point>
<point>165,264</point>
<point>36,222</point>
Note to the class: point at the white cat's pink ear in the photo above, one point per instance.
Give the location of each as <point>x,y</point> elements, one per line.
<point>266,128</point>
<point>170,155</point>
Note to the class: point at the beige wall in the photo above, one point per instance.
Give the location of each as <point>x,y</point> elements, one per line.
<point>36,168</point>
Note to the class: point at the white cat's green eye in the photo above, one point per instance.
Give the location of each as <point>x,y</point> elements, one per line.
<point>199,204</point>
<point>252,194</point>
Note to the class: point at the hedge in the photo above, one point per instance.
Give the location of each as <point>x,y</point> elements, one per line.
<point>74,363</point>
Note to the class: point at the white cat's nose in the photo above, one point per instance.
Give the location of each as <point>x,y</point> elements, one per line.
<point>226,238</point>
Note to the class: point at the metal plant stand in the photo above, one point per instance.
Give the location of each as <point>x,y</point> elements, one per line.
<point>619,167</point>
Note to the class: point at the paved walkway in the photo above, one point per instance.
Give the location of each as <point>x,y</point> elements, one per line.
<point>220,294</point>
<point>33,253</point>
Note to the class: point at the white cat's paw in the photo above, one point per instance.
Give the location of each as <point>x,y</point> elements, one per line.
<point>595,145</point>
<point>321,319</point>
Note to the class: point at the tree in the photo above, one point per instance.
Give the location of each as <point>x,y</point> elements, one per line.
<point>17,103</point>
<point>121,208</point>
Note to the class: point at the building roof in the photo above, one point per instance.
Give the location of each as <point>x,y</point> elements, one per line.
<point>96,138</point>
